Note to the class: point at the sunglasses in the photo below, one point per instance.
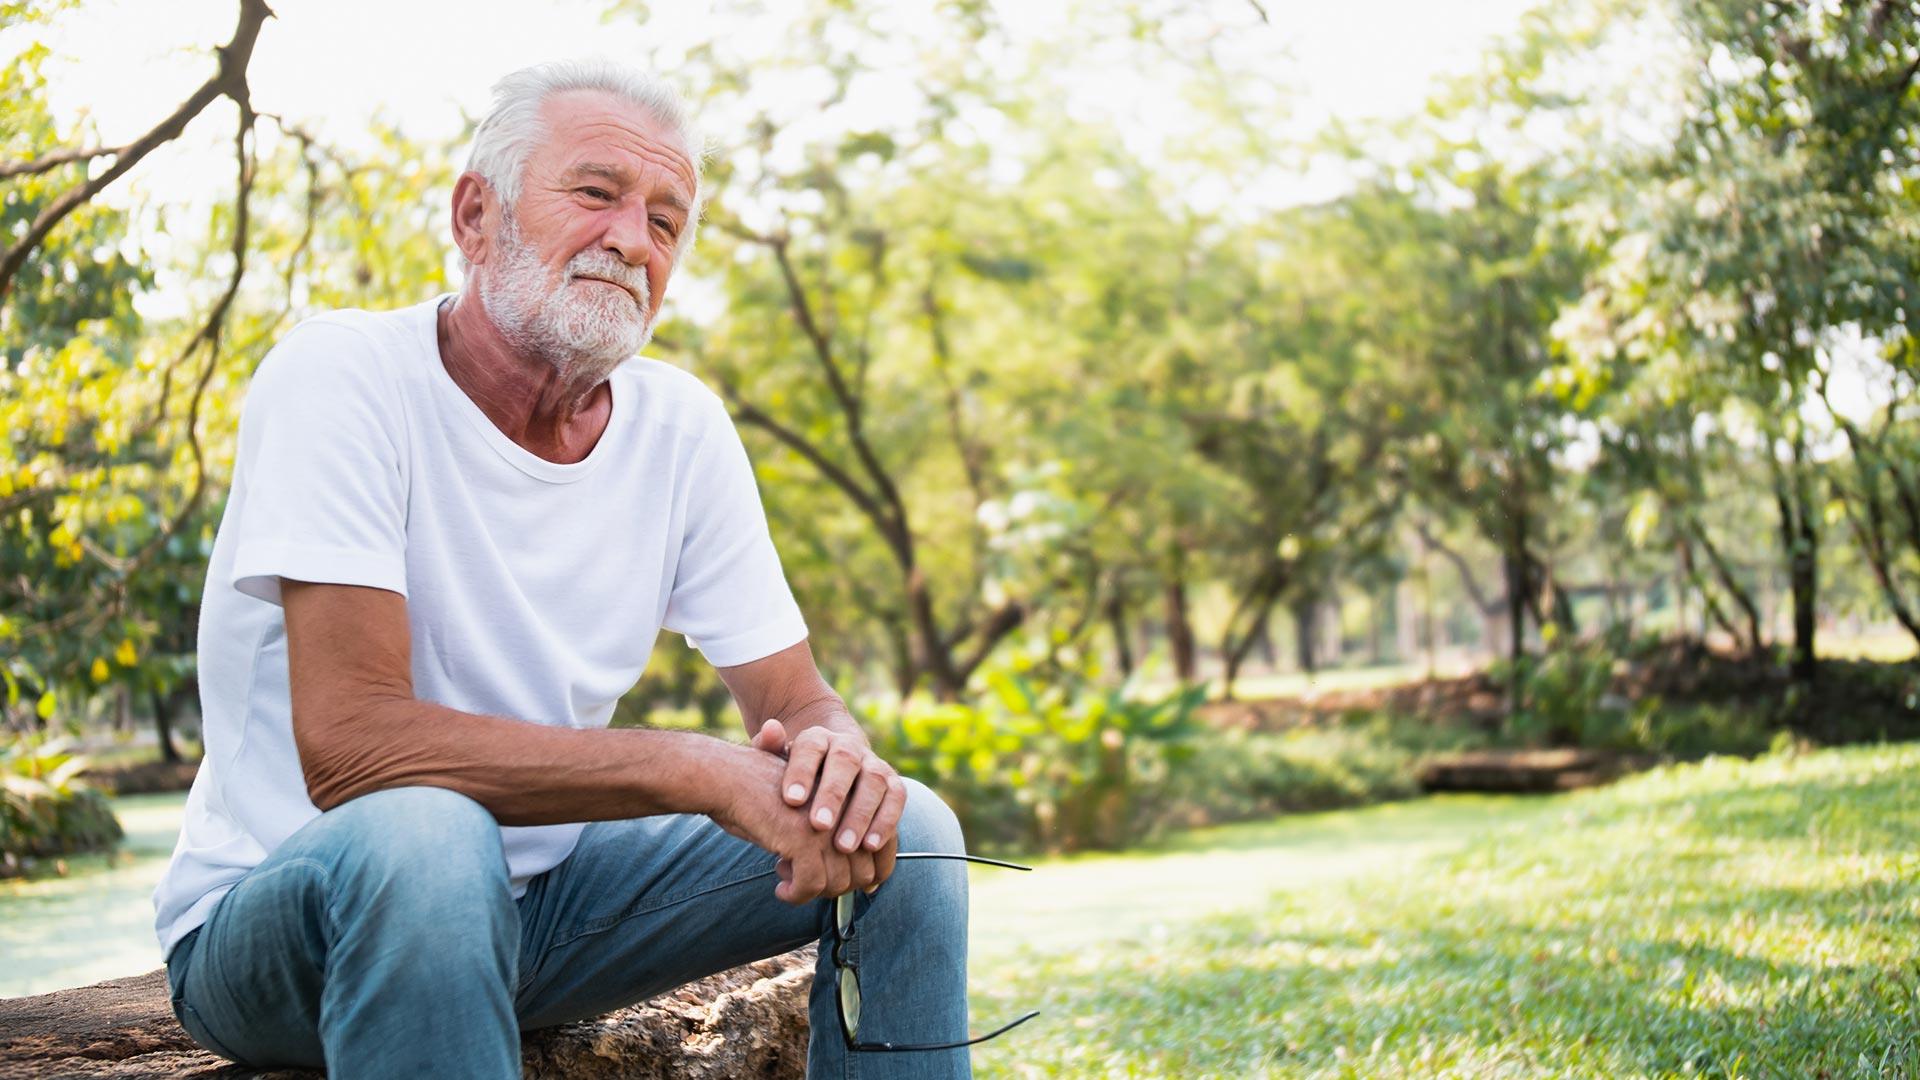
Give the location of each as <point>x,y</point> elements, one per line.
<point>846,975</point>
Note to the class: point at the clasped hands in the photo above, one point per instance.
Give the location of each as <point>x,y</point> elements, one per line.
<point>825,804</point>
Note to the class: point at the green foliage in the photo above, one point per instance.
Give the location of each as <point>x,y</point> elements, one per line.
<point>1236,776</point>
<point>1730,919</point>
<point>1046,758</point>
<point>46,809</point>
<point>1570,696</point>
<point>1564,696</point>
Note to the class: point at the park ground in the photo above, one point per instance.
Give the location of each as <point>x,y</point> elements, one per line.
<point>1723,918</point>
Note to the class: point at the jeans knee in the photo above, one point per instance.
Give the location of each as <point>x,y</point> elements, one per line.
<point>928,823</point>
<point>428,842</point>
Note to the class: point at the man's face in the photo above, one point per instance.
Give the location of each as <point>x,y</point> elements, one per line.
<point>578,267</point>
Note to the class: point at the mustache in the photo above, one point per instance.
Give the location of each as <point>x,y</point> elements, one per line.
<point>599,264</point>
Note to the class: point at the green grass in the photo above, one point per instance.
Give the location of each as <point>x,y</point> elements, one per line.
<point>1725,919</point>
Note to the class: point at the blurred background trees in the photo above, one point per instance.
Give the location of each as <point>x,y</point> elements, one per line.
<point>1609,343</point>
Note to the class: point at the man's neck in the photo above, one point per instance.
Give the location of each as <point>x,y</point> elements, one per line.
<point>531,401</point>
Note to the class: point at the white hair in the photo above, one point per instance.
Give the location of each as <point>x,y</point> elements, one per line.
<point>511,130</point>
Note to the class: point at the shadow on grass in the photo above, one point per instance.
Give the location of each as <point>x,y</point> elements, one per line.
<point>1759,923</point>
<point>1474,993</point>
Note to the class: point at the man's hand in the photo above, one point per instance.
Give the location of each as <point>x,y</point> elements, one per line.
<point>854,795</point>
<point>809,867</point>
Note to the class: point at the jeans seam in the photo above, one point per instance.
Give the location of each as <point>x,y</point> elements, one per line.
<point>217,1046</point>
<point>210,1043</point>
<point>607,922</point>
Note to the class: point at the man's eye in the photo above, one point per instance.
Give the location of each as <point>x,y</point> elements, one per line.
<point>666,226</point>
<point>595,193</point>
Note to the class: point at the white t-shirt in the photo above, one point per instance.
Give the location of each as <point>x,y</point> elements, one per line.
<point>534,589</point>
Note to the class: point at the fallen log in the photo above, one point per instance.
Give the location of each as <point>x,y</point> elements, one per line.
<point>750,1021</point>
<point>1528,770</point>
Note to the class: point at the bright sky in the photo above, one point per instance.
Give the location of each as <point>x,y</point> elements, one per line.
<point>333,65</point>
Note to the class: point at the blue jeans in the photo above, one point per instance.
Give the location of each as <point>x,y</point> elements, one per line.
<point>382,940</point>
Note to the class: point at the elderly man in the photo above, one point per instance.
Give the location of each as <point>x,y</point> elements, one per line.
<point>454,532</point>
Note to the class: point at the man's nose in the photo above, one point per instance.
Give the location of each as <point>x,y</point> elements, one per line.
<point>627,237</point>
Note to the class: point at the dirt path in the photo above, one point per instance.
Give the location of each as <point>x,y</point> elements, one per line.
<point>1100,900</point>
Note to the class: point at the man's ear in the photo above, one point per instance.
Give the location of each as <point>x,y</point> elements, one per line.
<point>474,205</point>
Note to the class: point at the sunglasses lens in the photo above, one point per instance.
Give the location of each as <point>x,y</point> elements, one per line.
<point>843,912</point>
<point>850,1002</point>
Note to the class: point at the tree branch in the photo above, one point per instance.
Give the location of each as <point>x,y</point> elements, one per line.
<point>1002,622</point>
<point>748,413</point>
<point>52,161</point>
<point>970,451</point>
<point>230,82</point>
<point>211,333</point>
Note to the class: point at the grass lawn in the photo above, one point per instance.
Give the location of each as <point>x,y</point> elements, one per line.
<point>1725,919</point>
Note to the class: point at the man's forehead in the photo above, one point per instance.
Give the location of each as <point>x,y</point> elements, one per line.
<point>595,134</point>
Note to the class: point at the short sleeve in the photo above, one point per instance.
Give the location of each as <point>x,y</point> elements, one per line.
<point>318,479</point>
<point>729,596</point>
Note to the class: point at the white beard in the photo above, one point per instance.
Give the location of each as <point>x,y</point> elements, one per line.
<point>584,331</point>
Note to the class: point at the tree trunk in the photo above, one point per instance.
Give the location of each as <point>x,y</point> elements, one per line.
<point>899,653</point>
<point>1117,624</point>
<point>1800,540</point>
<point>163,726</point>
<point>1707,602</point>
<point>931,656</point>
<point>1235,650</point>
<point>1304,629</point>
<point>1180,631</point>
<point>1723,572</point>
<point>1516,569</point>
<point>1563,611</point>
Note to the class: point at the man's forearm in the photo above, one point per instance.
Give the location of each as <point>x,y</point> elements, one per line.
<point>526,774</point>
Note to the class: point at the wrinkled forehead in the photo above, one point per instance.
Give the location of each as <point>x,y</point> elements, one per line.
<point>591,133</point>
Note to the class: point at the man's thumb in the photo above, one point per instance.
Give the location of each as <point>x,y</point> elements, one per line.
<point>772,737</point>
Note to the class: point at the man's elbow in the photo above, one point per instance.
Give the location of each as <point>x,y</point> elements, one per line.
<point>335,757</point>
<point>327,787</point>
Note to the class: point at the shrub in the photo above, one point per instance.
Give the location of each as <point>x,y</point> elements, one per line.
<point>1569,697</point>
<point>46,810</point>
<point>1564,697</point>
<point>1234,775</point>
<point>1045,758</point>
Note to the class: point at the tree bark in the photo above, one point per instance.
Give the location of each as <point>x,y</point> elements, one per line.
<point>1116,612</point>
<point>1723,573</point>
<point>1516,569</point>
<point>1304,610</point>
<point>1254,610</point>
<point>1180,631</point>
<point>1712,606</point>
<point>163,726</point>
<point>1800,540</point>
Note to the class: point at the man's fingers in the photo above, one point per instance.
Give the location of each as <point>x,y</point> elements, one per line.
<point>808,880</point>
<point>772,737</point>
<point>862,865</point>
<point>886,820</point>
<point>803,765</point>
<point>869,792</point>
<point>884,862</point>
<point>837,774</point>
<point>839,873</point>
